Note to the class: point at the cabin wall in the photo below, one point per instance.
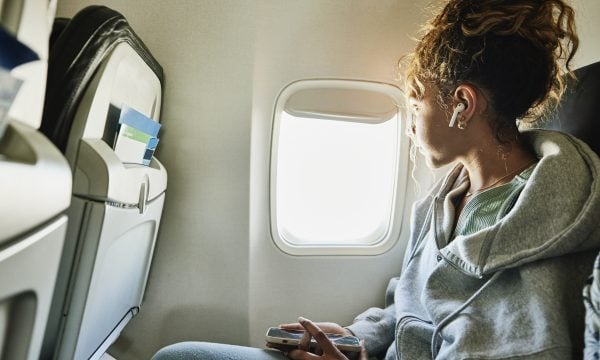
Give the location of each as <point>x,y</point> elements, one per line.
<point>216,274</point>
<point>587,14</point>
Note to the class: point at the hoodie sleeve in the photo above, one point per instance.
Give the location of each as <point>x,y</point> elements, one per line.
<point>376,326</point>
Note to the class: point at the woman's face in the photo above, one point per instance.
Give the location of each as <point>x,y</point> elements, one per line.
<point>439,143</point>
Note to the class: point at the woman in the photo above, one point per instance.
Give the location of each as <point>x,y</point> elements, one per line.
<point>501,247</point>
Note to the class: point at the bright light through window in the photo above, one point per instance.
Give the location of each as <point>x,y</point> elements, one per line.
<point>335,180</point>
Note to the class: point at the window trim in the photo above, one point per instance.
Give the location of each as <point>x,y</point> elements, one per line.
<point>390,237</point>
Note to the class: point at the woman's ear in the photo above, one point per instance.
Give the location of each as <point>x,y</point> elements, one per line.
<point>471,99</point>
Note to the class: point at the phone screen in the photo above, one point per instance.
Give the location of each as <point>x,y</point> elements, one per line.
<point>293,337</point>
<point>285,334</point>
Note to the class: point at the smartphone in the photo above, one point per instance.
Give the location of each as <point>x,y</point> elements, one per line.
<point>276,335</point>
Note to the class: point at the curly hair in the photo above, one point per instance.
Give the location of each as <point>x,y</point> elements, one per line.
<point>513,50</point>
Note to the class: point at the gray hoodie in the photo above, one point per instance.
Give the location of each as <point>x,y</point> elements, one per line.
<point>512,290</point>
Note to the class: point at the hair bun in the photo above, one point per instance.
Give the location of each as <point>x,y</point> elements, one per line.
<point>496,17</point>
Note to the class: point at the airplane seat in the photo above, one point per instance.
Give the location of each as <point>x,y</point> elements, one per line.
<point>58,26</point>
<point>577,115</point>
<point>102,111</point>
<point>35,181</point>
<point>579,108</point>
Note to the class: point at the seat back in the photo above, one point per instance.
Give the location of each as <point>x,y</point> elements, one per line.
<point>98,69</point>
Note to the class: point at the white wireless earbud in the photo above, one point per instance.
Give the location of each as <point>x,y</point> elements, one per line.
<point>458,108</point>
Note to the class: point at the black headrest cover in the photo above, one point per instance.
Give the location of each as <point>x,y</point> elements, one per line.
<point>78,47</point>
<point>579,109</point>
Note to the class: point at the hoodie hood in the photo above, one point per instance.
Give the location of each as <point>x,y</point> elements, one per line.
<point>557,213</point>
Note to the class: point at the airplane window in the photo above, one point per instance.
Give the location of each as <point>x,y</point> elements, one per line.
<point>335,180</point>
<point>335,173</point>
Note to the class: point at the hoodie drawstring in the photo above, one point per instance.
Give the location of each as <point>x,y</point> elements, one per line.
<point>452,316</point>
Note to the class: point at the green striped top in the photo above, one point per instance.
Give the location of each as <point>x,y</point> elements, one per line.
<point>489,206</point>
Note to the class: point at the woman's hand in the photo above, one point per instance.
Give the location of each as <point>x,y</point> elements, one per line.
<point>326,349</point>
<point>327,327</point>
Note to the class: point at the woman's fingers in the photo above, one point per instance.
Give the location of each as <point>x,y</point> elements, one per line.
<point>327,327</point>
<point>324,349</point>
<point>305,342</point>
<point>291,326</point>
<point>322,340</point>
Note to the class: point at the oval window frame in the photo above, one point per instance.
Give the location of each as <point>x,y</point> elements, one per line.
<point>390,237</point>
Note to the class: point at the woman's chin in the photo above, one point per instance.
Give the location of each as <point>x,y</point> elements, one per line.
<point>434,163</point>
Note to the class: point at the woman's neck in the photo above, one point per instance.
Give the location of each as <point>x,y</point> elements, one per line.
<point>496,164</point>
